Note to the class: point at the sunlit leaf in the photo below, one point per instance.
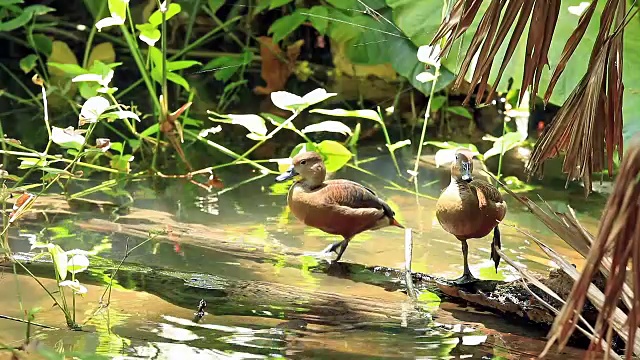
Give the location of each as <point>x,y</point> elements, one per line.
<point>124,114</point>
<point>118,8</point>
<point>336,154</point>
<point>321,19</point>
<point>302,147</point>
<point>149,34</point>
<point>60,261</point>
<point>77,263</point>
<point>254,123</point>
<point>75,286</point>
<point>67,138</point>
<point>109,21</point>
<point>429,300</point>
<point>328,126</point>
<point>28,162</point>
<point>182,64</point>
<point>156,18</point>
<point>28,62</point>
<point>177,79</point>
<point>504,143</point>
<point>398,145</point>
<point>277,121</point>
<point>316,96</point>
<point>291,102</point>
<point>93,108</point>
<point>425,76</point>
<point>365,114</point>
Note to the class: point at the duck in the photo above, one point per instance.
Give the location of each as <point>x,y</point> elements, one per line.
<point>470,209</point>
<point>338,207</point>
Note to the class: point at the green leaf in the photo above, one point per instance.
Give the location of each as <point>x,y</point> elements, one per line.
<point>151,130</point>
<point>451,145</point>
<point>336,155</point>
<point>177,79</point>
<point>319,18</point>
<point>78,263</point>
<point>118,8</point>
<point>42,44</point>
<point>156,18</point>
<point>460,111</point>
<point>36,10</point>
<point>306,146</point>
<point>504,143</point>
<point>328,126</point>
<point>437,102</point>
<point>29,162</point>
<point>15,23</point>
<point>60,261</point>
<point>286,25</point>
<point>214,5</point>
<point>341,29</point>
<point>28,62</point>
<point>277,3</point>
<point>345,4</point>
<point>418,19</point>
<point>5,3</point>
<point>365,113</point>
<point>182,64</point>
<point>148,33</point>
<point>277,121</point>
<point>398,145</point>
<point>430,300</point>
<point>70,70</point>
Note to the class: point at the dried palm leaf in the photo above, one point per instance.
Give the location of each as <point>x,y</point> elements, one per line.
<point>619,234</point>
<point>592,115</point>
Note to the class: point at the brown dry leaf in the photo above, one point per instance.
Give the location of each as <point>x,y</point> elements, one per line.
<point>277,65</point>
<point>618,236</point>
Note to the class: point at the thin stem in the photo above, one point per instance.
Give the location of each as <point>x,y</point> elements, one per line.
<point>92,34</point>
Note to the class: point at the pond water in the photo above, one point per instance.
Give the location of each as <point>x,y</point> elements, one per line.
<point>259,304</point>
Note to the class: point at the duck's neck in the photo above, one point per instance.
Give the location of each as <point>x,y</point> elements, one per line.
<point>458,182</point>
<point>313,183</point>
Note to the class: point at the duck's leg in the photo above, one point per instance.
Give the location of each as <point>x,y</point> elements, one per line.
<point>496,243</point>
<point>333,247</point>
<point>466,277</point>
<point>344,243</point>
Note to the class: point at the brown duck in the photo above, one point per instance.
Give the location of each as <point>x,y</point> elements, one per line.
<point>338,207</point>
<point>470,209</point>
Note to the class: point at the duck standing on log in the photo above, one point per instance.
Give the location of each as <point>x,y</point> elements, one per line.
<point>338,207</point>
<point>470,209</point>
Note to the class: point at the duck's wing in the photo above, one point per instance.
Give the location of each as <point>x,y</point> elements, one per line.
<point>351,194</point>
<point>488,195</point>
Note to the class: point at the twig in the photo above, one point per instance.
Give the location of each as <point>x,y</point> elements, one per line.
<point>7,317</point>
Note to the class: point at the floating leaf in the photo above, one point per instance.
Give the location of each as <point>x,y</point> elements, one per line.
<point>93,108</point>
<point>67,138</point>
<point>336,154</point>
<point>328,126</point>
<point>365,114</point>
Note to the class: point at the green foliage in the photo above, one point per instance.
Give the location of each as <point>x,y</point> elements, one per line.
<point>13,17</point>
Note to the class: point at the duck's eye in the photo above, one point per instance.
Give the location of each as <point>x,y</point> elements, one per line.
<point>303,162</point>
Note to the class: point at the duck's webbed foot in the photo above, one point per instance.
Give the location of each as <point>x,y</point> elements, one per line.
<point>466,278</point>
<point>332,248</point>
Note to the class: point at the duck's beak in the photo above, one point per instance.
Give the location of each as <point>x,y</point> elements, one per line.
<point>465,171</point>
<point>289,174</point>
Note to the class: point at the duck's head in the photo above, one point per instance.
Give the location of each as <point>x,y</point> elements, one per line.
<point>462,166</point>
<point>309,165</point>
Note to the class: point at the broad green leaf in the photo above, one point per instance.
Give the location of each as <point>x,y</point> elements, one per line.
<point>118,8</point>
<point>102,52</point>
<point>318,17</point>
<point>182,64</point>
<point>156,18</point>
<point>365,114</point>
<point>398,145</point>
<point>277,121</point>
<point>36,10</point>
<point>460,111</point>
<point>286,25</point>
<point>303,147</point>
<point>28,62</point>
<point>69,69</point>
<point>93,108</point>
<point>328,126</point>
<point>335,153</point>
<point>5,3</point>
<point>42,44</point>
<point>151,130</point>
<point>29,162</point>
<point>149,34</point>
<point>177,79</point>
<point>214,5</point>
<point>254,123</point>
<point>341,29</point>
<point>418,19</point>
<point>77,263</point>
<point>59,260</point>
<point>504,143</point>
<point>277,3</point>
<point>437,102</point>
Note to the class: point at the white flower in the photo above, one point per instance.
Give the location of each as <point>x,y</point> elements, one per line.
<point>429,55</point>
